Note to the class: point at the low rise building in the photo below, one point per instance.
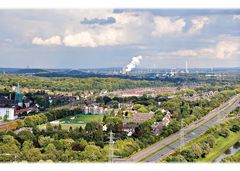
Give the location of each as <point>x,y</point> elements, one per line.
<point>158,126</point>
<point>8,113</point>
<point>93,109</point>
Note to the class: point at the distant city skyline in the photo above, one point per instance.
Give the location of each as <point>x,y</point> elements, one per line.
<point>110,38</point>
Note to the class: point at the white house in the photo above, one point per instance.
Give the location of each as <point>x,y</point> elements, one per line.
<point>7,111</point>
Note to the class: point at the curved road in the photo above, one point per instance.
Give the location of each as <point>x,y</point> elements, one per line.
<point>171,143</point>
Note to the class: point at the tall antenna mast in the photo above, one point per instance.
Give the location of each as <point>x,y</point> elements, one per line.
<point>111,149</point>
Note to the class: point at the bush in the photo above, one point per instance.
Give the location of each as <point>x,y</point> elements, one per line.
<point>178,158</point>
<point>224,132</point>
<point>211,141</point>
<point>235,128</point>
<point>188,155</point>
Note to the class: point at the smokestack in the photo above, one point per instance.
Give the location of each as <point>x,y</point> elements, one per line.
<point>136,60</point>
<point>186,67</point>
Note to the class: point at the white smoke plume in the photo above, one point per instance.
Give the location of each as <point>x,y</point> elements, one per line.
<point>136,60</point>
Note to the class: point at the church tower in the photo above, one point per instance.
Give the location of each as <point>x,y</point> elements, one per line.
<point>19,96</point>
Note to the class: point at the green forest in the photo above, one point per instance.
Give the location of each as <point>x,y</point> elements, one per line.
<point>73,84</point>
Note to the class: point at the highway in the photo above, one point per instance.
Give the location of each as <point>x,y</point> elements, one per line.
<point>171,143</point>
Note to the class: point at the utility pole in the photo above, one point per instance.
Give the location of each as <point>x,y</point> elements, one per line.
<point>181,136</point>
<point>111,149</point>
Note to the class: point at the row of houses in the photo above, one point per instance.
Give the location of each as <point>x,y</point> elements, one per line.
<point>93,109</point>
<point>130,125</point>
<point>140,91</point>
<point>206,95</point>
<point>157,127</point>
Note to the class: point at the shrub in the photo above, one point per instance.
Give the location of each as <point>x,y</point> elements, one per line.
<point>235,128</point>
<point>224,132</point>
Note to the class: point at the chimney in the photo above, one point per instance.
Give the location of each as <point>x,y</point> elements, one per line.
<point>186,67</point>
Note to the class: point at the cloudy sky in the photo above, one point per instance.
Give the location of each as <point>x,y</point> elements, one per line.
<point>110,38</point>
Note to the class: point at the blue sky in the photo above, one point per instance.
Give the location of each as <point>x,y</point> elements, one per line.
<point>111,37</point>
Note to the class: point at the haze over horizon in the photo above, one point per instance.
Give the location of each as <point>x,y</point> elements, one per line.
<point>78,39</point>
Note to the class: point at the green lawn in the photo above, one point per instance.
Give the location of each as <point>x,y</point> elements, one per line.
<point>83,118</point>
<point>67,126</point>
<point>79,120</point>
<point>233,158</point>
<point>222,145</point>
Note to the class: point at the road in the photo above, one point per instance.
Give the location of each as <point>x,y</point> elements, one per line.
<point>171,143</point>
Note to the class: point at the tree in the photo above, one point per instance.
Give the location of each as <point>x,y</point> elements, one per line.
<point>106,99</point>
<point>205,149</point>
<point>188,155</point>
<point>197,150</point>
<point>32,155</point>
<point>44,141</point>
<point>25,135</point>
<point>158,116</point>
<point>76,146</point>
<point>235,128</point>
<point>91,153</point>
<point>100,100</point>
<point>10,147</point>
<point>28,121</point>
<point>50,152</point>
<point>178,158</point>
<point>142,110</point>
<point>224,132</point>
<point>5,117</point>
<point>20,123</point>
<point>211,141</point>
<point>29,153</point>
<point>90,127</point>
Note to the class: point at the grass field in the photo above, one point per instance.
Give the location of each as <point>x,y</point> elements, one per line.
<point>67,126</point>
<point>233,158</point>
<point>76,121</point>
<point>222,145</point>
<point>83,118</point>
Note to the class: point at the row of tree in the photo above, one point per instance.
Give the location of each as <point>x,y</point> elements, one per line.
<point>201,147</point>
<point>74,84</point>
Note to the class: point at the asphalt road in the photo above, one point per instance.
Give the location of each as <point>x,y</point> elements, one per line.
<point>191,132</point>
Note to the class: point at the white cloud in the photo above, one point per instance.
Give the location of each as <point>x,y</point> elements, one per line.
<point>236,17</point>
<point>167,25</point>
<point>130,28</point>
<point>54,40</point>
<point>198,24</point>
<point>222,50</point>
<point>188,52</point>
<point>106,37</point>
<point>226,49</point>
<point>82,39</point>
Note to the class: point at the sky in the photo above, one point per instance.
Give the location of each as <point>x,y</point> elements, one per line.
<point>99,38</point>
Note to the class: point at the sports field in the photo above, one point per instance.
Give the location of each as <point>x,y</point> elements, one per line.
<point>82,118</point>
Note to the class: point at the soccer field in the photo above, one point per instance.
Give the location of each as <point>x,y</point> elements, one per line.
<point>84,118</point>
